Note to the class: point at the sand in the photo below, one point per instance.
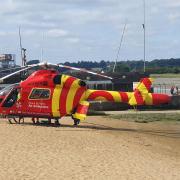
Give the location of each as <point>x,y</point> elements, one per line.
<point>100,148</point>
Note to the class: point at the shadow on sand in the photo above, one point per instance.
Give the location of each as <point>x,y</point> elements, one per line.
<point>85,126</point>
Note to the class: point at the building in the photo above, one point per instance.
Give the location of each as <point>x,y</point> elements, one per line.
<point>119,82</point>
<point>7,60</point>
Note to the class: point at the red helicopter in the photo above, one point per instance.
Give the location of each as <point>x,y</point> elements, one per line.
<point>48,94</point>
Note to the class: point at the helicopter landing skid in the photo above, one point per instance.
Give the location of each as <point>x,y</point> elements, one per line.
<point>17,120</point>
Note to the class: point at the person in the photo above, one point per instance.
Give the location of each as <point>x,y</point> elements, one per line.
<point>172,90</point>
<point>49,120</point>
<point>35,121</point>
<point>177,90</point>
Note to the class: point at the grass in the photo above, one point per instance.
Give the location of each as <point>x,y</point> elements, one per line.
<point>165,75</point>
<point>145,118</point>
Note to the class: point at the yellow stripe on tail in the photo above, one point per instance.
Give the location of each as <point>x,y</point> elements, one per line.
<point>140,94</point>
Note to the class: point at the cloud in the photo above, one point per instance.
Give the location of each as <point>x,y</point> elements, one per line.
<point>7,6</point>
<point>2,33</point>
<point>56,33</point>
<point>173,17</point>
<point>96,25</point>
<point>27,32</point>
<point>173,3</point>
<point>73,40</point>
<point>7,33</point>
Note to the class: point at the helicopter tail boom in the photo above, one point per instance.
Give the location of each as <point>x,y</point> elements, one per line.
<point>140,95</point>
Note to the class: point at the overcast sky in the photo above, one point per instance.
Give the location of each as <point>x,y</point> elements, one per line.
<point>72,30</point>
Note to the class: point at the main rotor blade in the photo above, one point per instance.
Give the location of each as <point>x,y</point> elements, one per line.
<point>21,70</point>
<point>9,75</point>
<point>11,69</point>
<point>84,70</point>
<point>79,69</point>
<point>51,64</point>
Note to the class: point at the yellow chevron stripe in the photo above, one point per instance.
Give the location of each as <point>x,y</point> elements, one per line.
<point>148,99</point>
<point>55,101</point>
<point>89,92</point>
<point>85,103</point>
<point>133,101</point>
<point>116,96</point>
<point>129,94</point>
<point>64,78</point>
<point>79,116</point>
<point>56,97</point>
<point>70,97</point>
<point>142,88</point>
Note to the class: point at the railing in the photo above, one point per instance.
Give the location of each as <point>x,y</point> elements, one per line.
<point>167,88</point>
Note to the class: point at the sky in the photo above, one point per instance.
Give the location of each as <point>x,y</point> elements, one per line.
<point>90,30</point>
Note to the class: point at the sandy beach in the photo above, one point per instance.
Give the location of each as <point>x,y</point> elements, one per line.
<point>100,148</point>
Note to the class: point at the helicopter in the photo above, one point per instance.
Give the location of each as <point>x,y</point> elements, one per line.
<point>48,94</point>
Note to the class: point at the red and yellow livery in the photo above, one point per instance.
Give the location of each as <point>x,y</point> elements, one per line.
<point>45,93</point>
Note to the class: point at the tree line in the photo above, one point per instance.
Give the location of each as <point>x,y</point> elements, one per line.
<point>157,66</point>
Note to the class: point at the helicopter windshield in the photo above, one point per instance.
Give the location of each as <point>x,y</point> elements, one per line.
<point>7,89</point>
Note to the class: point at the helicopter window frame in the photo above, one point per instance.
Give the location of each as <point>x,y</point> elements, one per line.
<point>12,97</point>
<point>39,98</point>
<point>6,90</point>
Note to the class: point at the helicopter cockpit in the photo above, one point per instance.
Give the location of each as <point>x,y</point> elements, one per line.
<point>11,93</point>
<point>6,90</point>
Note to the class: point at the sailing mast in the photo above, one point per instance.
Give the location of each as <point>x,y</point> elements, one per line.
<point>144,28</point>
<point>120,44</point>
<point>20,43</point>
<point>23,50</point>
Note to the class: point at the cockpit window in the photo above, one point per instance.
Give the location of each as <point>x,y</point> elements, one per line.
<point>40,94</point>
<point>6,90</point>
<point>12,98</point>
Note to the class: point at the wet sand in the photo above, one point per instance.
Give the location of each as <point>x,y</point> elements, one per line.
<point>100,148</point>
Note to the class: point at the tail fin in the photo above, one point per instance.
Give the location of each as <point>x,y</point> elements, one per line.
<point>141,91</point>
<point>144,85</point>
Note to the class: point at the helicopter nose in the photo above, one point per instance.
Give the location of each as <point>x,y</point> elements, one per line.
<point>160,99</point>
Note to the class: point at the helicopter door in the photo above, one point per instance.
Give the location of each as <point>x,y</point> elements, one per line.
<point>39,100</point>
<point>11,98</point>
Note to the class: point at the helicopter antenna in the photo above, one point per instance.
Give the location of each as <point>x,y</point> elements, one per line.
<point>120,44</point>
<point>20,43</point>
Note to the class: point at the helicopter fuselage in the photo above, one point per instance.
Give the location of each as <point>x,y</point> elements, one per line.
<point>46,93</point>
